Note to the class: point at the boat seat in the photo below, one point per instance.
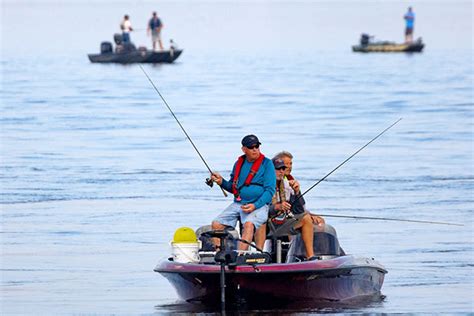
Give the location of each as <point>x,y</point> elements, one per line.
<point>325,243</point>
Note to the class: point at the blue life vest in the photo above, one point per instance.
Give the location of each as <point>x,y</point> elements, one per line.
<point>155,23</point>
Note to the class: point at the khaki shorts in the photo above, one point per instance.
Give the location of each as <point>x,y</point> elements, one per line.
<point>155,36</point>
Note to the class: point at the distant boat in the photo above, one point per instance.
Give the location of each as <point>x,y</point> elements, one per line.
<point>368,46</point>
<point>127,53</point>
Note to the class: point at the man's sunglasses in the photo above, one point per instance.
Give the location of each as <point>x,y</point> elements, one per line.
<point>281,168</point>
<point>253,147</point>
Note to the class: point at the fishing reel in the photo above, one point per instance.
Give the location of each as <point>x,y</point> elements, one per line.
<point>209,182</point>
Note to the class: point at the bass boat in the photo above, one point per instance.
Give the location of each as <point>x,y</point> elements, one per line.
<point>368,46</point>
<point>127,53</point>
<point>201,274</point>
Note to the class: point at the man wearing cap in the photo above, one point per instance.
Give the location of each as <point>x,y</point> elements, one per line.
<point>287,158</point>
<point>252,181</point>
<point>287,211</point>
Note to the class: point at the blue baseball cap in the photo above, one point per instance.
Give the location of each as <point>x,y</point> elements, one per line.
<point>250,140</point>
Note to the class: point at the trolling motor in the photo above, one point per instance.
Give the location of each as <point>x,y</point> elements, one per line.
<point>222,256</point>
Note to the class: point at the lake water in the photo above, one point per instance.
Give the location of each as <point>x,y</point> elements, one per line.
<point>96,175</point>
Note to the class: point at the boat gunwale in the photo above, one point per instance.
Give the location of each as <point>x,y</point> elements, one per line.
<point>339,263</point>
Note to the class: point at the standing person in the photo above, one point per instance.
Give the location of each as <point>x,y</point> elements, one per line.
<point>410,23</point>
<point>154,27</point>
<point>126,27</point>
<point>252,181</point>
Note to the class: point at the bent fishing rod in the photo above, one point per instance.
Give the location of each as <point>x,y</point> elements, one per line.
<point>209,181</point>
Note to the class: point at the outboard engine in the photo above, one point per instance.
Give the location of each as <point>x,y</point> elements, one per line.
<point>364,39</point>
<point>325,244</point>
<point>106,47</point>
<point>118,38</point>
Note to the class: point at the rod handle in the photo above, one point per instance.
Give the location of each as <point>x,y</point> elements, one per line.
<point>223,191</point>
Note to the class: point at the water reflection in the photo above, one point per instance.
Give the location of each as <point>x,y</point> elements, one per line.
<point>275,307</point>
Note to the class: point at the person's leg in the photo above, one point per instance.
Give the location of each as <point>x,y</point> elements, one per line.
<point>247,235</point>
<point>125,37</point>
<point>154,39</point>
<point>251,222</point>
<point>159,40</point>
<point>228,218</point>
<point>260,236</point>
<point>307,234</point>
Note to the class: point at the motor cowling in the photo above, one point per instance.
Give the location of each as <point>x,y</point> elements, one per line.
<point>106,47</point>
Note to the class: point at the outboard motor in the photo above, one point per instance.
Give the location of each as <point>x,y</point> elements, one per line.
<point>325,244</point>
<point>105,47</point>
<point>118,38</point>
<point>364,39</point>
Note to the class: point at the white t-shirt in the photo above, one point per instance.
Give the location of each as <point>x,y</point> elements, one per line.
<point>126,26</point>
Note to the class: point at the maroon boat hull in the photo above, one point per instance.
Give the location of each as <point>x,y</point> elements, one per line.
<point>337,279</point>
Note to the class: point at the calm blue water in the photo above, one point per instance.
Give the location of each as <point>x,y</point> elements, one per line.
<point>96,175</point>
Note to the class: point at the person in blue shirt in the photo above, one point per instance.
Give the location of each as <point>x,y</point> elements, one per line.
<point>410,23</point>
<point>253,183</point>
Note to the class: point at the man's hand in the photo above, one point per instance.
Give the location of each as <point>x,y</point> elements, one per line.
<point>295,185</point>
<point>285,206</point>
<point>248,208</point>
<point>216,177</point>
<point>318,220</point>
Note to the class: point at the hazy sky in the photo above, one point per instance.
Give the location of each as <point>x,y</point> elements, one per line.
<point>63,26</point>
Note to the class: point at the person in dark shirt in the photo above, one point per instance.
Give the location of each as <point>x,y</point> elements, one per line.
<point>154,28</point>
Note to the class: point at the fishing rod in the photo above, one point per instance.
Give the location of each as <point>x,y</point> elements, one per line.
<point>350,157</point>
<point>342,163</point>
<point>390,219</point>
<point>209,181</point>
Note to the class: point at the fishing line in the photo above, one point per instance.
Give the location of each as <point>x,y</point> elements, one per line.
<point>391,219</point>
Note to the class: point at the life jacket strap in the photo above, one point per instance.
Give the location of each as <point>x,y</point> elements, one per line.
<point>248,181</point>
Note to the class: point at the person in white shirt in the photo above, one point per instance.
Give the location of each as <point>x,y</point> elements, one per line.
<point>126,27</point>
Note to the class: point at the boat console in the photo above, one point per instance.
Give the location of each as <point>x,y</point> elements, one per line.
<point>279,249</point>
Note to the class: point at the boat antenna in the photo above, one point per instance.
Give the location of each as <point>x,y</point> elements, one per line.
<point>360,149</point>
<point>391,219</point>
<point>209,181</point>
